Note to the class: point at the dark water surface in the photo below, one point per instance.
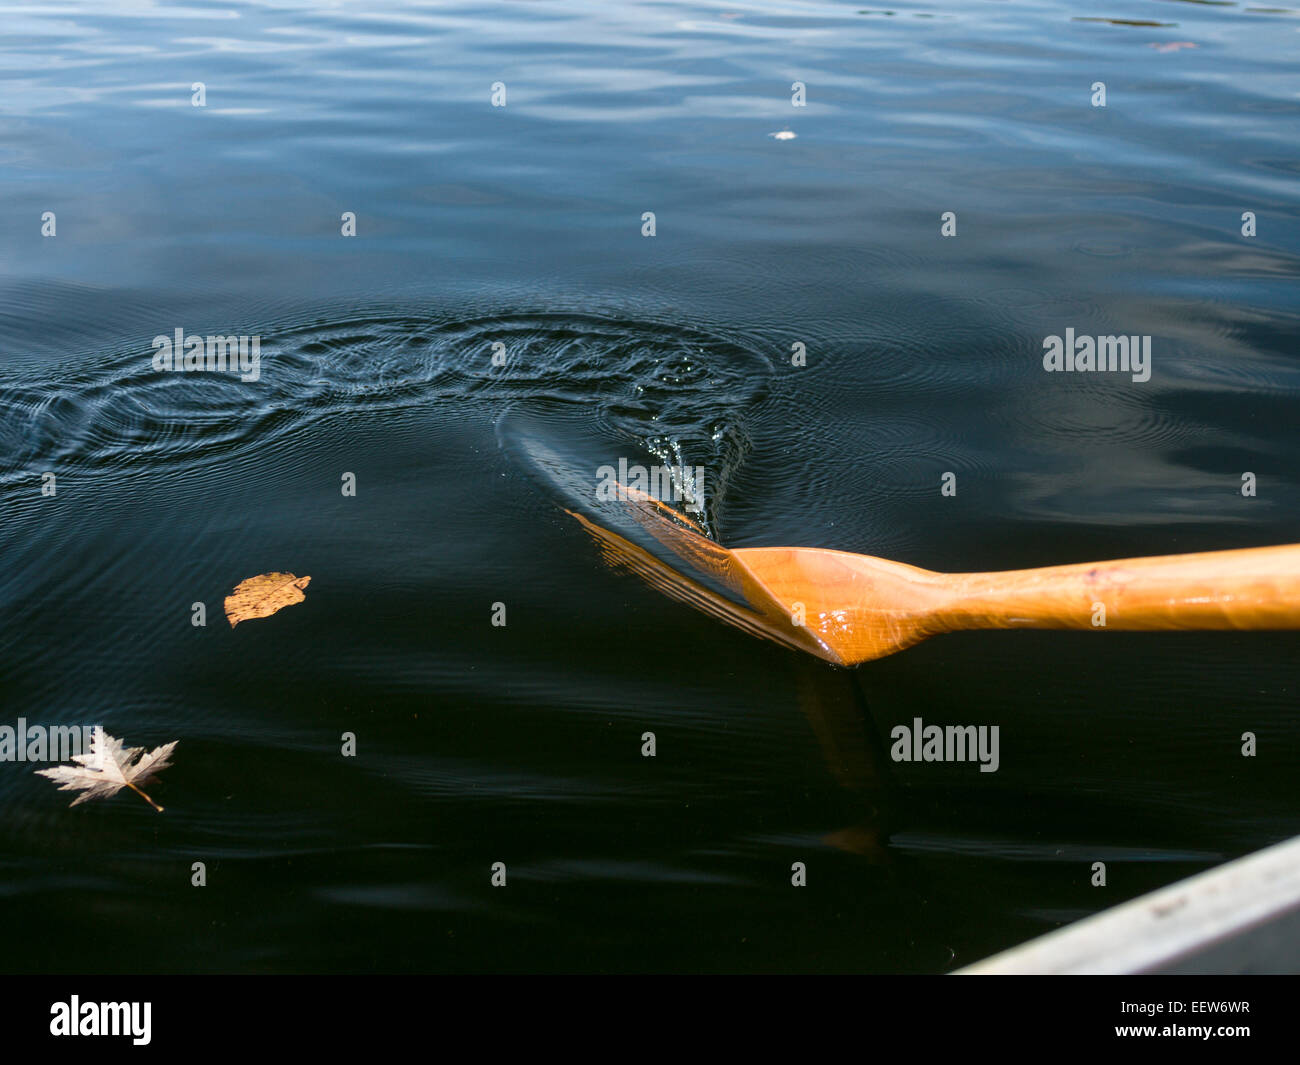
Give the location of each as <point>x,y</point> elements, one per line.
<point>522,226</point>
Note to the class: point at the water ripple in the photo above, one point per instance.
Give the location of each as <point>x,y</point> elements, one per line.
<point>677,392</point>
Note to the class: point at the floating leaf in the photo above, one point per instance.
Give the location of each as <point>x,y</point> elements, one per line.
<point>106,768</point>
<point>262,596</point>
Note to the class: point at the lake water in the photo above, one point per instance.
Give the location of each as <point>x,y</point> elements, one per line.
<point>518,230</point>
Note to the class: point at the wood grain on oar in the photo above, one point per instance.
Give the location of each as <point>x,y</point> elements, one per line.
<point>863,608</point>
<point>848,608</point>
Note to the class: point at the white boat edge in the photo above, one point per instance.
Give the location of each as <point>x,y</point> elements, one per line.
<point>1227,905</point>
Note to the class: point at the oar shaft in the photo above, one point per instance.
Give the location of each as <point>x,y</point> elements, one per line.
<point>1256,588</point>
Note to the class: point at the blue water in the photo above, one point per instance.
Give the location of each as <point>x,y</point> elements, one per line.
<point>522,226</point>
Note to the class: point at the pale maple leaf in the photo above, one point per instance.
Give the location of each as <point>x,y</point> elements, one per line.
<point>106,768</point>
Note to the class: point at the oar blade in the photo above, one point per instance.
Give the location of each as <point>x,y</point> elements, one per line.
<point>858,607</point>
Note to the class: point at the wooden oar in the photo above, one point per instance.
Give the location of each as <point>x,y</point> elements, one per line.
<point>848,608</point>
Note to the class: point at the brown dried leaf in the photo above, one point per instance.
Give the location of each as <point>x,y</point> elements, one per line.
<point>262,596</point>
